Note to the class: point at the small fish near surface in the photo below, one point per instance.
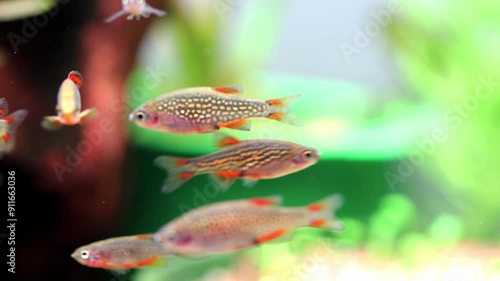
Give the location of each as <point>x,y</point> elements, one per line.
<point>207,109</point>
<point>69,105</point>
<point>249,160</point>
<point>8,126</point>
<point>121,253</point>
<point>239,224</point>
<point>135,8</point>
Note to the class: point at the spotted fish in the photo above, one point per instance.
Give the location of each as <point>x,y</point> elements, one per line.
<point>250,160</point>
<point>233,225</point>
<point>121,253</point>
<point>206,109</point>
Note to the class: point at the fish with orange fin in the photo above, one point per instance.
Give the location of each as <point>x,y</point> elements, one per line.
<point>69,105</point>
<point>135,8</point>
<point>121,253</point>
<point>8,126</point>
<point>4,107</point>
<point>249,160</point>
<point>207,109</point>
<point>239,224</point>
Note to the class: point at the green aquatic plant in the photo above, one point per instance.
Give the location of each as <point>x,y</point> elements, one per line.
<point>454,63</point>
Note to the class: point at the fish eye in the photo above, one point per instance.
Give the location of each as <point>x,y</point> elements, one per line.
<point>141,115</point>
<point>84,254</point>
<point>307,154</point>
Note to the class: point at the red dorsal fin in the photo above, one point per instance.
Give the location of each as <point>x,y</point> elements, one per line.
<point>222,139</point>
<point>76,77</point>
<point>261,202</point>
<point>144,236</point>
<point>266,201</point>
<point>230,90</point>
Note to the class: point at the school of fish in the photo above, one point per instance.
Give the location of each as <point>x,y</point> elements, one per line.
<point>220,227</point>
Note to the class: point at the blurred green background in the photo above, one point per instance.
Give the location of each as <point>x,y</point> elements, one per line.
<point>402,99</point>
<point>418,174</point>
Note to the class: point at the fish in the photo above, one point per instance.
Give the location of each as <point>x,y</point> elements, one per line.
<point>8,127</point>
<point>135,8</point>
<point>121,253</point>
<point>249,160</point>
<point>4,107</point>
<point>69,105</point>
<point>207,109</point>
<point>229,226</point>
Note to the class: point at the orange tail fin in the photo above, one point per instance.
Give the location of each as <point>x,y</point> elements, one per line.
<point>279,109</point>
<point>178,172</point>
<point>321,213</point>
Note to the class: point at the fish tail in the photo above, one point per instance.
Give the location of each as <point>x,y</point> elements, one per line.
<point>177,169</point>
<point>321,213</point>
<point>279,109</point>
<point>14,120</point>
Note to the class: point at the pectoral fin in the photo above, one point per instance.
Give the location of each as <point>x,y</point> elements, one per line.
<point>88,114</point>
<point>51,123</point>
<point>249,182</point>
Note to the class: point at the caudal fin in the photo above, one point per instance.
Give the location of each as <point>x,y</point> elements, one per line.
<point>279,109</point>
<point>178,173</point>
<point>322,213</point>
<point>14,120</point>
